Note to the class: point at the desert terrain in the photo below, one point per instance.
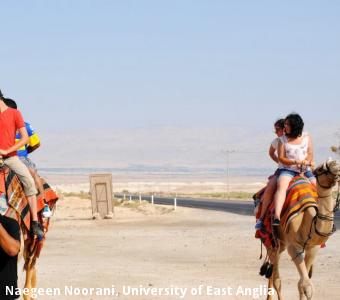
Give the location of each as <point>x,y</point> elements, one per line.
<point>155,248</point>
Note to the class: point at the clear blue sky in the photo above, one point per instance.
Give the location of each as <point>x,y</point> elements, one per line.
<point>103,64</point>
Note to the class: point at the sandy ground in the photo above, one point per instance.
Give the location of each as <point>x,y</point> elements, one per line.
<point>157,247</point>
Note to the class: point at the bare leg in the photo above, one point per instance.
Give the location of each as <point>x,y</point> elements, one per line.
<point>280,195</point>
<point>268,195</point>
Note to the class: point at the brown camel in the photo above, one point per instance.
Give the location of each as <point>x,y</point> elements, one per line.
<point>31,252</point>
<point>18,210</point>
<point>307,231</point>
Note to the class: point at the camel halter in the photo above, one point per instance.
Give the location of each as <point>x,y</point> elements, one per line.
<point>335,209</point>
<point>321,216</point>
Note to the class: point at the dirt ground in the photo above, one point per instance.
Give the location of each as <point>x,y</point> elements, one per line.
<point>157,247</point>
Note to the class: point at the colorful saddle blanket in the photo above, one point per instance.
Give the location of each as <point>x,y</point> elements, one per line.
<point>301,194</point>
<point>14,203</point>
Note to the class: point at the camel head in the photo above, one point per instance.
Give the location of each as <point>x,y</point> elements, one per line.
<point>328,173</point>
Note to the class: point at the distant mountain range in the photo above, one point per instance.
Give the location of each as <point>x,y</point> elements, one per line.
<point>170,148</point>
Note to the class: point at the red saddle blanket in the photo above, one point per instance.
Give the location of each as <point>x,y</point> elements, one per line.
<point>301,194</point>
<point>18,206</point>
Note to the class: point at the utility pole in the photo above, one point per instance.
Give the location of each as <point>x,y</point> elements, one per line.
<point>227,153</point>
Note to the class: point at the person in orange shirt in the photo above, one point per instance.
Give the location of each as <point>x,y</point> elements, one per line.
<point>11,121</point>
<point>23,152</point>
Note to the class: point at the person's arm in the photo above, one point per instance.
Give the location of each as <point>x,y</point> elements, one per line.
<point>272,154</point>
<point>309,161</point>
<point>10,245</point>
<point>282,156</point>
<point>22,142</point>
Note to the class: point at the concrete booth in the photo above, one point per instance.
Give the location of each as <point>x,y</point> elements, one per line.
<point>101,195</point>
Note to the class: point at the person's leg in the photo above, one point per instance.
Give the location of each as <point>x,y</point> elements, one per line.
<point>268,195</point>
<point>17,166</point>
<point>280,195</point>
<point>266,200</point>
<point>46,212</point>
<point>37,181</point>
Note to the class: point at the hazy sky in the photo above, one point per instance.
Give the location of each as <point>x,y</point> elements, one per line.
<point>75,65</point>
<point>119,83</point>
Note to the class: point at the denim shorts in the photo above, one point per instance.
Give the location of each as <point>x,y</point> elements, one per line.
<point>291,173</point>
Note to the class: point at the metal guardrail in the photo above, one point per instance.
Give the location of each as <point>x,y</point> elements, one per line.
<point>234,206</point>
<point>241,207</point>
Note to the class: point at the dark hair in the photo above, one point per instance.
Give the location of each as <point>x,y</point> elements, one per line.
<point>280,123</point>
<point>1,95</point>
<point>296,125</point>
<point>10,103</point>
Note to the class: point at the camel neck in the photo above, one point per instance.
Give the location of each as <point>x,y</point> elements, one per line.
<point>325,201</point>
<point>324,221</point>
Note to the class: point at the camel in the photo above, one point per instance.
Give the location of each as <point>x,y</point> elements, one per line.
<point>306,232</point>
<point>18,210</point>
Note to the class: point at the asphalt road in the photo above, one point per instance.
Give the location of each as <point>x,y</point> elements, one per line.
<point>241,207</point>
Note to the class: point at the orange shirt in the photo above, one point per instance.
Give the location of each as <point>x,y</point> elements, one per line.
<point>10,121</point>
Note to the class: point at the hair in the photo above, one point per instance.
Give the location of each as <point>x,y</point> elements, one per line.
<point>296,125</point>
<point>1,95</point>
<point>10,103</point>
<point>280,123</point>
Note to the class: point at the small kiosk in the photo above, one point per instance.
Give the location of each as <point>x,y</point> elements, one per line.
<point>101,195</point>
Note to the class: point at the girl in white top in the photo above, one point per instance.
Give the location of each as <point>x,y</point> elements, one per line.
<point>271,185</point>
<point>295,153</point>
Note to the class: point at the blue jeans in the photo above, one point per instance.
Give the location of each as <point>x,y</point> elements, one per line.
<point>291,173</point>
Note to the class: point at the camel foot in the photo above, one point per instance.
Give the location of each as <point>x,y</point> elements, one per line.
<point>306,289</point>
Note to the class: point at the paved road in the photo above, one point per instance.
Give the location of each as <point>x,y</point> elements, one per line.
<point>241,207</point>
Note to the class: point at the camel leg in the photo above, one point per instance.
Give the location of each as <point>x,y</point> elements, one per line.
<point>276,276</point>
<point>272,258</point>
<point>310,257</point>
<point>304,285</point>
<point>28,282</point>
<point>31,281</point>
<point>34,278</point>
<point>275,280</point>
<point>270,286</point>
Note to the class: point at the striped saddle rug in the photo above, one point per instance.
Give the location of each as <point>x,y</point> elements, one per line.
<point>14,203</point>
<point>301,194</point>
